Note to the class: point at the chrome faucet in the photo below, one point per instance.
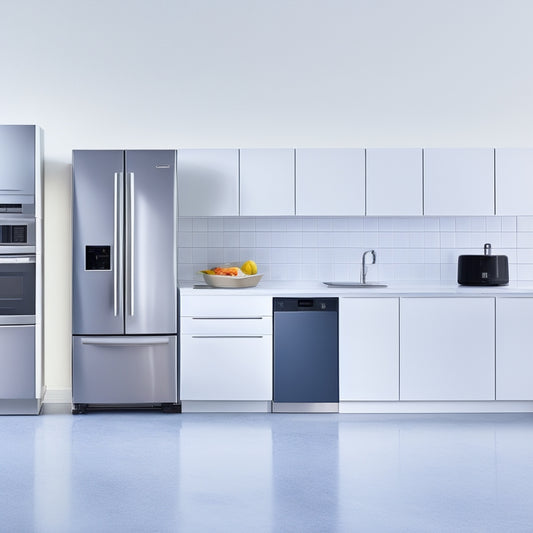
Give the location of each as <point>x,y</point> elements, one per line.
<point>363,264</point>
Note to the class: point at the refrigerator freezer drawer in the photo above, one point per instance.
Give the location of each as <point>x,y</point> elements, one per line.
<point>124,370</point>
<point>17,362</point>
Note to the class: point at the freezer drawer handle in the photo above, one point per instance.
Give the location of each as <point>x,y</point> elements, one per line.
<point>124,342</point>
<point>227,318</point>
<point>227,336</point>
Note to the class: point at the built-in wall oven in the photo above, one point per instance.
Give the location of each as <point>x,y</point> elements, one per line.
<point>17,289</point>
<point>17,308</point>
<point>21,273</point>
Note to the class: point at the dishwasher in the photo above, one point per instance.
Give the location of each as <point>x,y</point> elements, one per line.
<point>306,355</point>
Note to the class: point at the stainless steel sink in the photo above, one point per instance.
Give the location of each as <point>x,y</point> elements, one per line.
<point>353,284</point>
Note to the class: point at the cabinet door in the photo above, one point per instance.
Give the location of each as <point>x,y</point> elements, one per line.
<point>208,182</point>
<point>330,181</point>
<point>226,368</point>
<point>514,181</point>
<point>17,362</point>
<point>17,161</point>
<point>459,181</point>
<point>369,349</point>
<point>447,348</point>
<point>514,352</point>
<point>267,182</point>
<point>394,181</point>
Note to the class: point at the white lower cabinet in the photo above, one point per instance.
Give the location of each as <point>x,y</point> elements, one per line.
<point>226,348</point>
<point>226,368</point>
<point>368,349</point>
<point>447,349</point>
<point>514,352</point>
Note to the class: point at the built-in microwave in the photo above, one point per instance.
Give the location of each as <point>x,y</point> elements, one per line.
<point>17,289</point>
<point>17,235</point>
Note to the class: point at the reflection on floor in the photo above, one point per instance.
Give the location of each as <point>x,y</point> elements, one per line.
<point>154,472</point>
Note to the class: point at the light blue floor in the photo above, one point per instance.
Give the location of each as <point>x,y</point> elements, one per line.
<point>154,472</point>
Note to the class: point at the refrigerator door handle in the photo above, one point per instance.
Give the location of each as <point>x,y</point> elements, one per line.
<point>123,341</point>
<point>132,242</point>
<point>115,247</point>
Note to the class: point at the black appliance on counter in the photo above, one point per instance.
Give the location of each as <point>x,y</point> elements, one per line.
<point>483,270</point>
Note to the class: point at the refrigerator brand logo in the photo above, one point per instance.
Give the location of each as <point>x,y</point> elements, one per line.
<point>484,275</point>
<point>162,166</point>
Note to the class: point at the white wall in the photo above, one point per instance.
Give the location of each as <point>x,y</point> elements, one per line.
<point>170,73</point>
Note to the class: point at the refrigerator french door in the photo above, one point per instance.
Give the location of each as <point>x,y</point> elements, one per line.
<point>124,299</point>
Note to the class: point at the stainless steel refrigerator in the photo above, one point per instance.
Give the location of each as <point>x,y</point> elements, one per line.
<point>124,293</point>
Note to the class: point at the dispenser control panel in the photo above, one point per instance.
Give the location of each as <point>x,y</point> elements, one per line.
<point>97,257</point>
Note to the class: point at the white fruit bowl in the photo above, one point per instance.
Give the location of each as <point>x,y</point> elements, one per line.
<point>232,282</point>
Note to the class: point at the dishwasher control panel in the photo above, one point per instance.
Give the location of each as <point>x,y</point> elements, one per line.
<point>306,304</point>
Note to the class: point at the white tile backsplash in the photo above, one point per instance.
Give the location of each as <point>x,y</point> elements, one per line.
<point>508,223</point>
<point>328,248</point>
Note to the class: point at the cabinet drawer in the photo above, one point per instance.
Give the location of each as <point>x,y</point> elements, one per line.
<point>259,325</point>
<point>226,306</point>
<point>17,362</point>
<point>226,368</point>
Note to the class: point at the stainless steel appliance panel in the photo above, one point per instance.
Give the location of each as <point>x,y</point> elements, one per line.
<point>124,370</point>
<point>17,162</point>
<point>151,277</point>
<point>17,362</point>
<point>98,190</point>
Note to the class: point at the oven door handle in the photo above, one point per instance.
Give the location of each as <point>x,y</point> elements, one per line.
<point>16,260</point>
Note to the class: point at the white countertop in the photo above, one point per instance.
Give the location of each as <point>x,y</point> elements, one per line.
<point>317,288</point>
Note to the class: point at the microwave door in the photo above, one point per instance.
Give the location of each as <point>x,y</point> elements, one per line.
<point>151,279</point>
<point>98,198</point>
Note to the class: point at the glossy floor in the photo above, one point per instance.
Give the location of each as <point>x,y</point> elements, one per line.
<point>153,472</point>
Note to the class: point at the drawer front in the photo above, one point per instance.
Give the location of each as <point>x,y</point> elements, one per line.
<point>226,326</point>
<point>225,306</point>
<point>124,370</point>
<point>17,362</point>
<point>226,368</point>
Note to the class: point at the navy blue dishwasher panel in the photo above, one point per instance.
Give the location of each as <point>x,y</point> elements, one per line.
<point>306,364</point>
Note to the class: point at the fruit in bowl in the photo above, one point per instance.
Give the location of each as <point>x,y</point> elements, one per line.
<point>232,276</point>
<point>249,267</point>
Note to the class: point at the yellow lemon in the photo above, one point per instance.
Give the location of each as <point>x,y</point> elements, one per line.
<point>249,268</point>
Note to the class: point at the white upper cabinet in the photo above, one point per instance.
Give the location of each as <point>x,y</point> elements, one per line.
<point>330,181</point>
<point>459,181</point>
<point>394,181</point>
<point>267,182</point>
<point>208,182</point>
<point>514,181</point>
